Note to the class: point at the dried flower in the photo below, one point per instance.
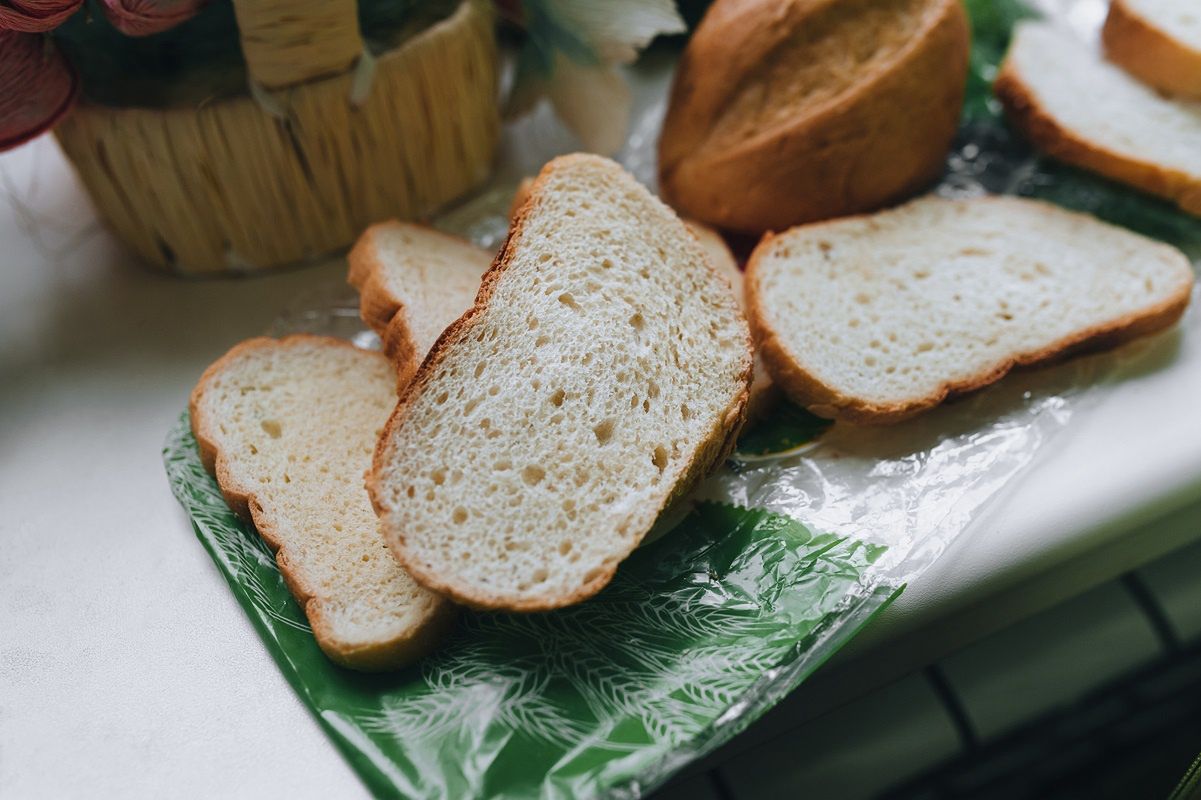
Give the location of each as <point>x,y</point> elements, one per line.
<point>144,17</point>
<point>35,16</point>
<point>37,86</point>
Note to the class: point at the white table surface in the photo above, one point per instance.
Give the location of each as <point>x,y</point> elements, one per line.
<point>127,668</point>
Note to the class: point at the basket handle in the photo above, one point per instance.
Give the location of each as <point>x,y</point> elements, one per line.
<point>286,42</point>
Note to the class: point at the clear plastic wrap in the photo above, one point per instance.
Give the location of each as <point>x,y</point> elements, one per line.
<point>744,589</point>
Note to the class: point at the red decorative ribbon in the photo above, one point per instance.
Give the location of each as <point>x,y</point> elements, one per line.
<point>144,17</point>
<point>35,16</point>
<point>37,86</point>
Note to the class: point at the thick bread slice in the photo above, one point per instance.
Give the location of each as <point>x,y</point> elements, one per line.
<point>413,281</point>
<point>1083,110</point>
<point>789,111</point>
<point>1159,41</point>
<point>288,427</point>
<point>875,318</point>
<point>603,369</point>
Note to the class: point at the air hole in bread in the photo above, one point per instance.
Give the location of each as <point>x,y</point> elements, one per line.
<point>604,431</point>
<point>459,516</point>
<point>659,458</point>
<point>637,321</point>
<point>556,399</point>
<point>272,428</point>
<point>479,369</point>
<point>569,300</point>
<point>533,475</point>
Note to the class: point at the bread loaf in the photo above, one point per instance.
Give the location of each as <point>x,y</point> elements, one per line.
<point>788,112</point>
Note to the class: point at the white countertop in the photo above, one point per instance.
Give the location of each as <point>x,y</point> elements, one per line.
<point>127,668</point>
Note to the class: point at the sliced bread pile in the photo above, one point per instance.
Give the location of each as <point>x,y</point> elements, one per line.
<point>874,319</point>
<point>1086,111</point>
<point>602,370</point>
<point>288,427</point>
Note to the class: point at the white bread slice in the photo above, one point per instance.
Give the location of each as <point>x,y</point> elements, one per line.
<point>603,369</point>
<point>876,318</point>
<point>763,395</point>
<point>1158,41</point>
<point>413,281</point>
<point>288,427</point>
<point>1088,112</point>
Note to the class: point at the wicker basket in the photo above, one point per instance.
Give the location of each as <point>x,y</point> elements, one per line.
<point>250,183</point>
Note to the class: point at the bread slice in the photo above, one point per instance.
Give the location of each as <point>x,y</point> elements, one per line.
<point>1158,41</point>
<point>875,318</point>
<point>603,369</point>
<point>413,281</point>
<point>763,395</point>
<point>288,427</point>
<point>1083,110</point>
<point>789,111</point>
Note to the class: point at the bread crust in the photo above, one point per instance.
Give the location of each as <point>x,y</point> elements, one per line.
<point>243,501</point>
<point>1150,53</point>
<point>806,389</point>
<point>874,143</point>
<point>381,310</point>
<point>1040,126</point>
<point>713,448</point>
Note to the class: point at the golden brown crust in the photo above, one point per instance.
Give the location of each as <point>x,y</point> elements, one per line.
<point>806,389</point>
<point>381,310</point>
<point>1150,54</point>
<point>874,143</point>
<point>716,446</point>
<point>243,501</point>
<point>1039,125</point>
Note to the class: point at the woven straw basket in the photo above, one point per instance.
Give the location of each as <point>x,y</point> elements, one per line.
<point>326,146</point>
